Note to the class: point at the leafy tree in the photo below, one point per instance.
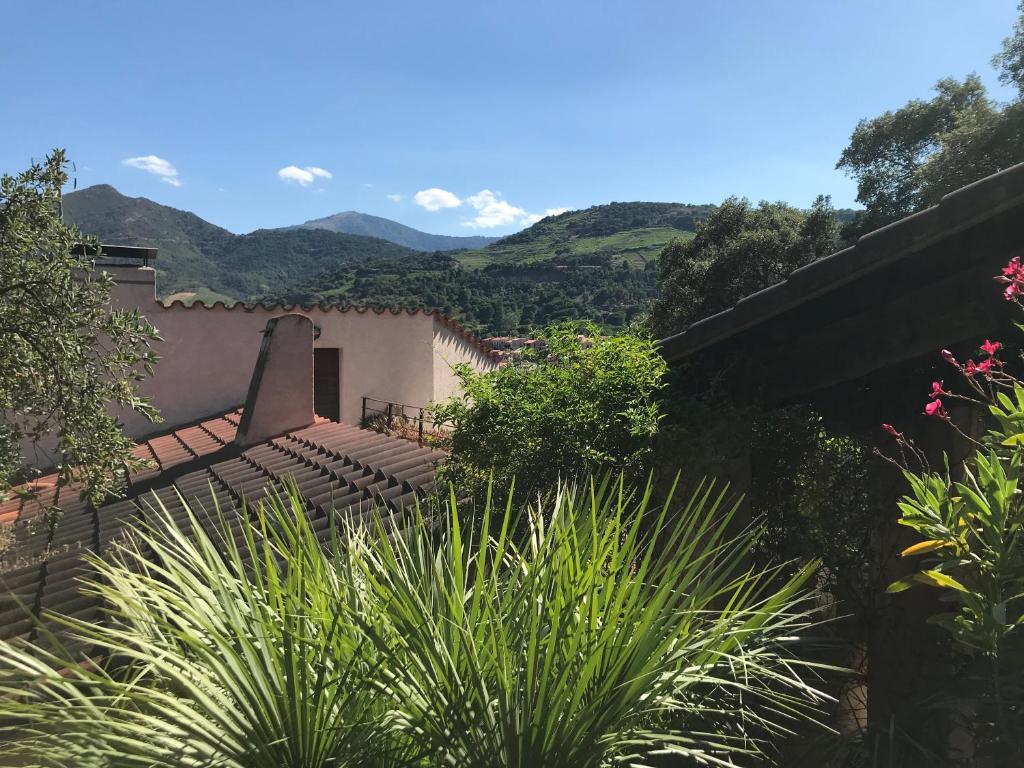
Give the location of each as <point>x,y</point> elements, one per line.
<point>549,415</point>
<point>738,250</point>
<point>1010,60</point>
<point>907,159</point>
<point>887,154</point>
<point>67,357</point>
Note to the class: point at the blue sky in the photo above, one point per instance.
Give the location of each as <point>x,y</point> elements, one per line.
<point>262,114</point>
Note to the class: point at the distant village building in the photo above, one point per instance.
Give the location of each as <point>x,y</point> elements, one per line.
<point>505,348</point>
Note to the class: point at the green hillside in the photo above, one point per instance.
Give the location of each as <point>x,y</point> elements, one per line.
<point>630,232</point>
<point>186,242</point>
<point>256,263</point>
<point>598,264</point>
<point>494,300</point>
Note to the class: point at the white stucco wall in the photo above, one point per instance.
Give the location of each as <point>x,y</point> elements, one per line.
<point>208,353</point>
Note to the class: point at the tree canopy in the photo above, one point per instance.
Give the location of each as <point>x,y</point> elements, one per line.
<point>907,159</point>
<point>68,359</point>
<point>740,249</point>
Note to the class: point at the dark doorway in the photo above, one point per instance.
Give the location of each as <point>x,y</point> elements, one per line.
<point>327,383</point>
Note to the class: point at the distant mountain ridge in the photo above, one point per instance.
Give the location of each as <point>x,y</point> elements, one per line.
<point>598,262</point>
<point>355,223</point>
<point>196,256</point>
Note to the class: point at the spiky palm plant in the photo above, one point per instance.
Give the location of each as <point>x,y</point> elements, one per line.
<point>609,632</point>
<point>588,630</point>
<point>216,651</point>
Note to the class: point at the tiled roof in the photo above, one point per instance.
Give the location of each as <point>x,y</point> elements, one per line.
<point>450,323</point>
<point>335,466</point>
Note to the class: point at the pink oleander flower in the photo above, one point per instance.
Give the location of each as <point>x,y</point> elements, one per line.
<point>948,357</point>
<point>991,347</point>
<point>970,368</point>
<point>1013,267</point>
<point>935,408</point>
<point>889,429</point>
<point>985,366</point>
<point>937,390</point>
<point>1012,291</point>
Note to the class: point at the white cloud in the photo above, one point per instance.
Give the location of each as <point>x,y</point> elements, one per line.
<point>155,165</point>
<point>492,211</point>
<point>303,176</point>
<point>395,198</point>
<point>435,199</point>
<point>533,218</point>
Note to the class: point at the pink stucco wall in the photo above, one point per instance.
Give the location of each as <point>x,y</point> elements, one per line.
<point>451,348</point>
<point>208,354</point>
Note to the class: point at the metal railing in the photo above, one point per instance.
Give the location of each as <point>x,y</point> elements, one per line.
<point>392,416</point>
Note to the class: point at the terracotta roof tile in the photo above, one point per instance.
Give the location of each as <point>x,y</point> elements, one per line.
<point>339,470</point>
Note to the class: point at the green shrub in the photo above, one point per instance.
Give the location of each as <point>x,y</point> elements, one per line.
<point>553,414</point>
<point>971,521</point>
<point>613,632</point>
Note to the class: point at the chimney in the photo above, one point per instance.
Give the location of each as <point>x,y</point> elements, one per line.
<point>134,278</point>
<point>280,395</point>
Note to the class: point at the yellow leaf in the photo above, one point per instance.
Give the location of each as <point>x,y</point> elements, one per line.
<point>938,579</point>
<point>923,547</point>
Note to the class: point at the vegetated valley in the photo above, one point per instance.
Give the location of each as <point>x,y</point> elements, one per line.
<point>598,264</point>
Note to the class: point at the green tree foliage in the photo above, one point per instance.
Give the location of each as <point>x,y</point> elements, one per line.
<point>546,416</point>
<point>67,358</point>
<point>907,159</point>
<point>615,632</point>
<point>1010,60</point>
<point>738,250</point>
<point>498,299</point>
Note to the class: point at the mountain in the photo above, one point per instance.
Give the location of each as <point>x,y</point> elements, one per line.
<point>198,257</point>
<point>355,223</point>
<point>185,241</point>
